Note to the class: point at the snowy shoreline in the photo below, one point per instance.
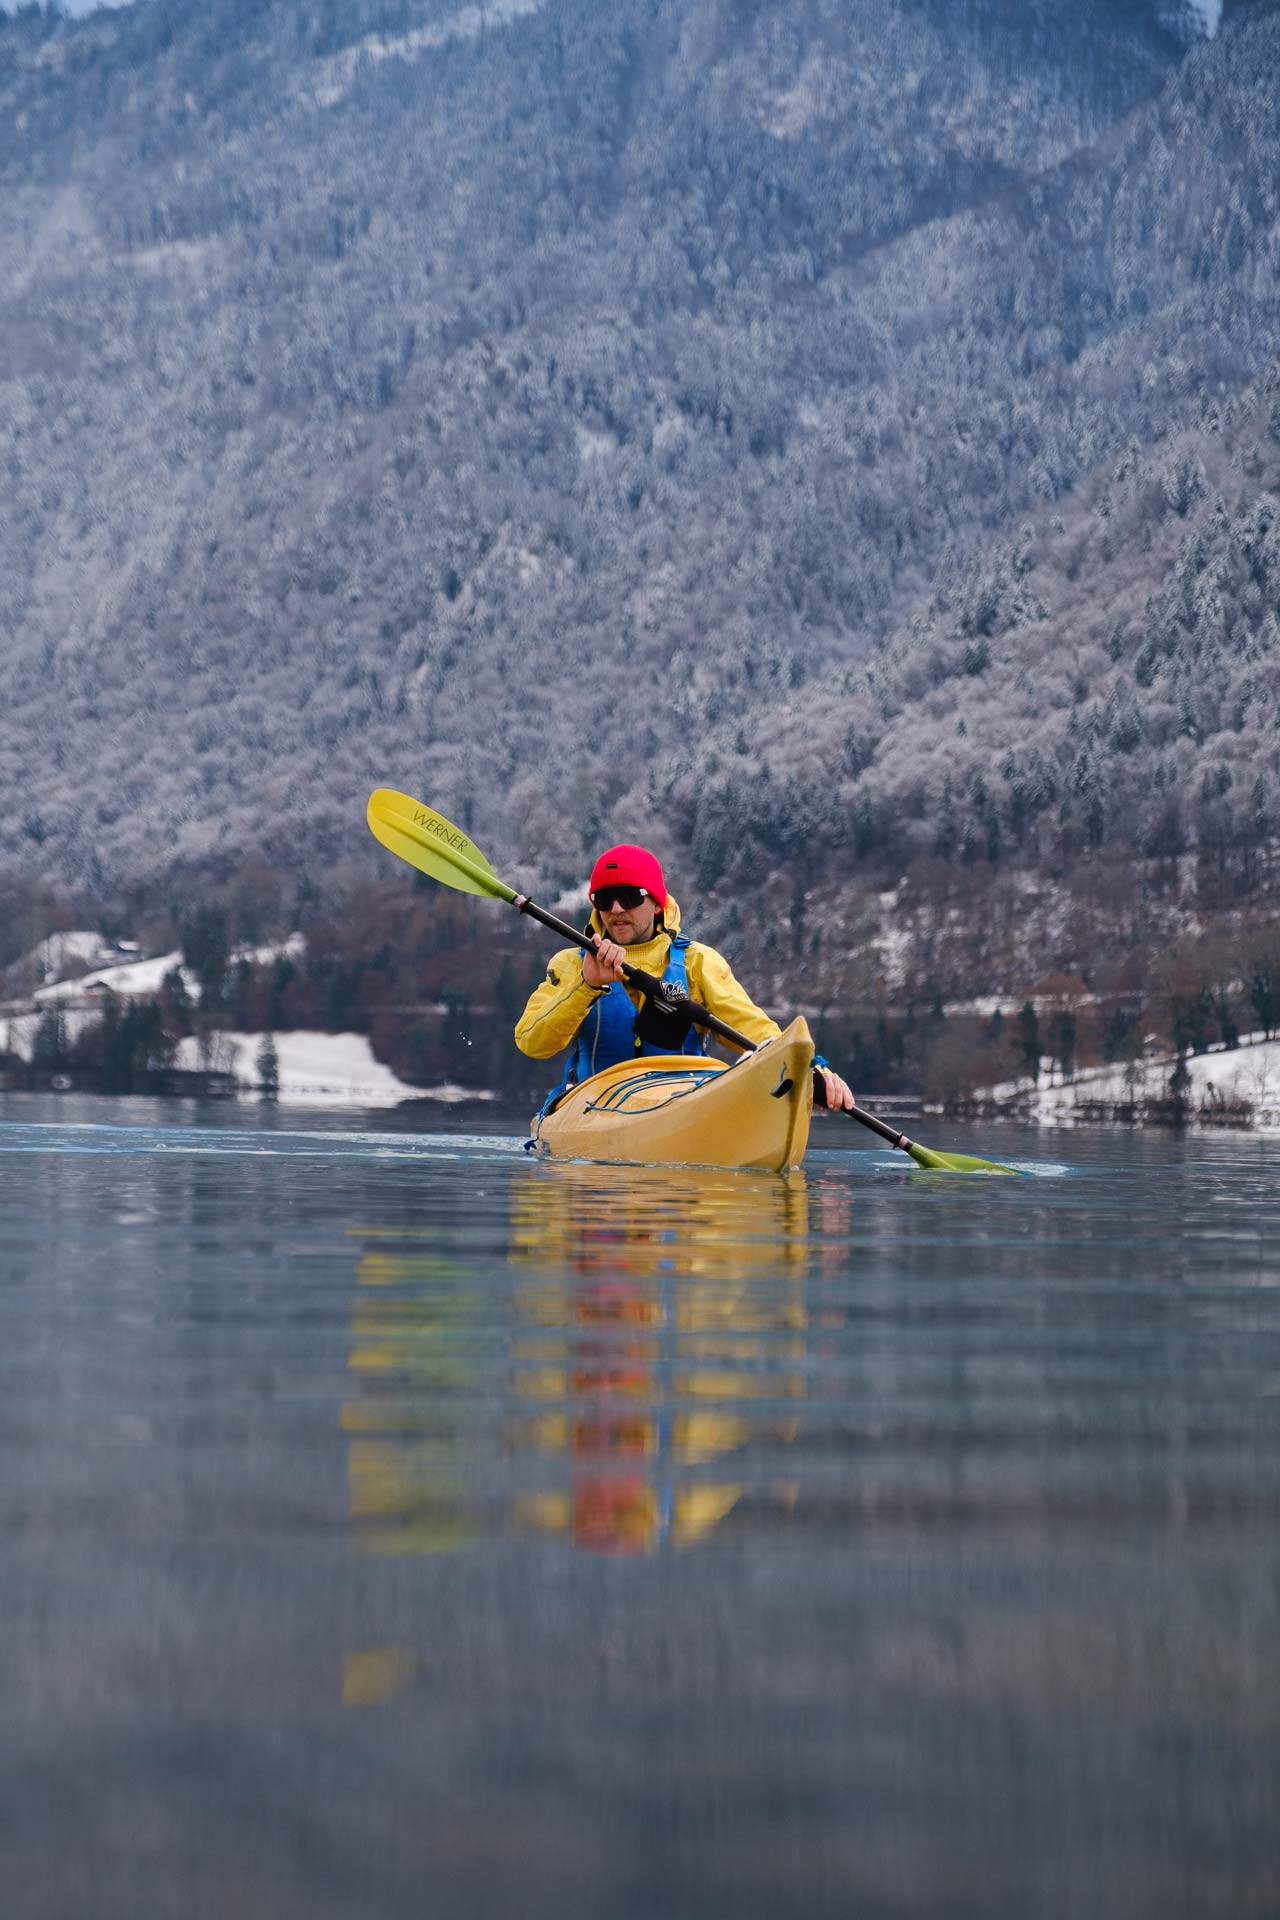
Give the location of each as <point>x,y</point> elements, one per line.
<point>312,1069</point>
<point>1226,1090</point>
<point>315,1069</point>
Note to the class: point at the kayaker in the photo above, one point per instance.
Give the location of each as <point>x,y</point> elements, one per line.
<point>584,1004</point>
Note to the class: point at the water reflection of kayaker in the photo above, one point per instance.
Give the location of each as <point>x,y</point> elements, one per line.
<point>657,1341</point>
<point>584,1004</point>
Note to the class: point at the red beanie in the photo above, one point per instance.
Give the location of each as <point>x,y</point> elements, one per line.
<point>630,867</point>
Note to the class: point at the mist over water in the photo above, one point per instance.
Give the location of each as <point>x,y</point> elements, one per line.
<point>395,1524</point>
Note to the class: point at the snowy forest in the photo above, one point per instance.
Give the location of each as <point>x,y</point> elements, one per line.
<point>836,442</point>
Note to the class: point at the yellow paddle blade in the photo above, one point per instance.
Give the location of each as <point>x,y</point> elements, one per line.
<point>433,845</point>
<point>936,1162</point>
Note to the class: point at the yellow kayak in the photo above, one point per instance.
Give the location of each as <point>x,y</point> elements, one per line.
<point>679,1109</point>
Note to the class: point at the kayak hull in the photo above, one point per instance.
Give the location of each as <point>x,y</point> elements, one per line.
<point>685,1110</point>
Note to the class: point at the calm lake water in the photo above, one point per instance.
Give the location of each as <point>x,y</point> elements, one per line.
<point>395,1526</point>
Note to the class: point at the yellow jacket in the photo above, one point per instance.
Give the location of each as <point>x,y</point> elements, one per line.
<point>559,1006</point>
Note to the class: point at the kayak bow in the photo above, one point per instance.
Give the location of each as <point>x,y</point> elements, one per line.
<point>683,1109</point>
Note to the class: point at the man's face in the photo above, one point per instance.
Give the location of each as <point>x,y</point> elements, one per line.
<point>627,925</point>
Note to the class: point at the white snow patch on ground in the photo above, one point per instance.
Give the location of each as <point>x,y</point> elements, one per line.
<point>51,957</point>
<point>18,1030</point>
<point>135,978</point>
<point>316,1069</point>
<point>593,445</point>
<point>1207,15</point>
<point>892,943</point>
<point>812,97</point>
<point>893,946</point>
<point>1250,1072</point>
<point>333,77</point>
<point>985,1007</point>
<point>291,949</point>
<point>62,950</point>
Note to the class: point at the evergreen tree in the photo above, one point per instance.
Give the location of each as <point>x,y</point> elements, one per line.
<point>49,1047</point>
<point>283,973</point>
<point>1120,1034</point>
<point>1062,1040</point>
<point>268,1066</point>
<point>176,1002</point>
<point>1028,1040</point>
<point>206,950</point>
<point>1262,985</point>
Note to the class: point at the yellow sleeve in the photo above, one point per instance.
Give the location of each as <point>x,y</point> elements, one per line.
<point>557,1007</point>
<point>711,980</point>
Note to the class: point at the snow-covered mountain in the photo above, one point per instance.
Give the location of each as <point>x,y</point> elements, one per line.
<point>672,421</point>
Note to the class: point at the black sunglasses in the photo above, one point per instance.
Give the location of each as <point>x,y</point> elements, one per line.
<point>625,897</point>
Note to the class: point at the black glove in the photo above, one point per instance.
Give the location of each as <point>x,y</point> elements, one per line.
<point>663,1023</point>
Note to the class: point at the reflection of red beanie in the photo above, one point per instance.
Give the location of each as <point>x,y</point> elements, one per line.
<point>630,867</point>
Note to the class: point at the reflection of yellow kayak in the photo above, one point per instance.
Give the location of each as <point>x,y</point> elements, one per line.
<point>683,1110</point>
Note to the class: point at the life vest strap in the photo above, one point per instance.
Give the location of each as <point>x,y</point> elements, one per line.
<point>614,1036</point>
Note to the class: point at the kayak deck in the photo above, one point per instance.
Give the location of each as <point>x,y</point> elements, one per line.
<point>684,1110</point>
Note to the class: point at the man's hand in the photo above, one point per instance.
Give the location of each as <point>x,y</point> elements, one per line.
<point>839,1093</point>
<point>601,968</point>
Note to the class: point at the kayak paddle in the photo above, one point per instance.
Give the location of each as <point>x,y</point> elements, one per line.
<point>433,845</point>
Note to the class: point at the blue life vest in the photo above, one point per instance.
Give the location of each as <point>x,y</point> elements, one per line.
<point>608,1034</point>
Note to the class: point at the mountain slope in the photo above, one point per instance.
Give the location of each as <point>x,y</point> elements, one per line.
<point>448,396</point>
<point>1107,678</point>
